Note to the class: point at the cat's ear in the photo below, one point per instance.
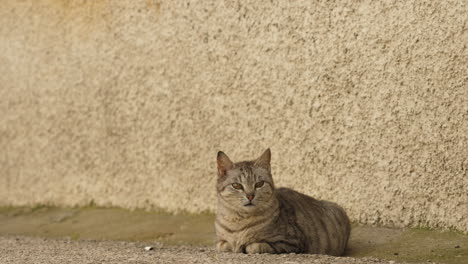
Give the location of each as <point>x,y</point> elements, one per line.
<point>264,160</point>
<point>224,163</point>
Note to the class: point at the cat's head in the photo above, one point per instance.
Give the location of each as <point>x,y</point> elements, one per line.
<point>245,186</point>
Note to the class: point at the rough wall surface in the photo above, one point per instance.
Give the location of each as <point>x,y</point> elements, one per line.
<point>125,103</point>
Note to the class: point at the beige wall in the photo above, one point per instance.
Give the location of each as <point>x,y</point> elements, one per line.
<point>125,103</point>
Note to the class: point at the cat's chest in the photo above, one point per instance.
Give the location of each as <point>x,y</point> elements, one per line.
<point>241,233</point>
<point>239,240</point>
<point>238,230</point>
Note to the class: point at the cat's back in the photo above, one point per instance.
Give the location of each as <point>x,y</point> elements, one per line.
<point>292,197</point>
<point>325,225</point>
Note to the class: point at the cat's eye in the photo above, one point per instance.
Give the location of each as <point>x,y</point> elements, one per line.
<point>237,186</point>
<point>259,184</point>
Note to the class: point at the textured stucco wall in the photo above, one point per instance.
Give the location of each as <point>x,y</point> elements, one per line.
<point>125,103</point>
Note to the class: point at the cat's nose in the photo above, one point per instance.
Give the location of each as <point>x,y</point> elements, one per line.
<point>250,196</point>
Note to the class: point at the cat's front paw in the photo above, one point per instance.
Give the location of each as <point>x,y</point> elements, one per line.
<point>259,248</point>
<point>223,246</point>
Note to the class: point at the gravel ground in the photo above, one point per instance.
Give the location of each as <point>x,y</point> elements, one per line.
<point>20,249</point>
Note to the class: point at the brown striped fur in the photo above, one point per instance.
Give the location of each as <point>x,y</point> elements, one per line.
<point>275,220</point>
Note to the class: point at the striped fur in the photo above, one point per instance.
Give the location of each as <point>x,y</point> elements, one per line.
<point>275,220</point>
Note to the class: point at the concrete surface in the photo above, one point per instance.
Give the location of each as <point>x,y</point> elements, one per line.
<point>162,229</point>
<point>25,250</point>
<point>126,103</point>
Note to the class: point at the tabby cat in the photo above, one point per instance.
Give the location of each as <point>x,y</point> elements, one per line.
<point>255,217</point>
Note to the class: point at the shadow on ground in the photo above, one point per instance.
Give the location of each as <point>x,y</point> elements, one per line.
<point>411,245</point>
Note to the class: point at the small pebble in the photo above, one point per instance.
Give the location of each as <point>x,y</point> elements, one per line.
<point>457,246</point>
<point>149,248</point>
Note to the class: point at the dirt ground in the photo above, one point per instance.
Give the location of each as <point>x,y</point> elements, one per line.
<point>97,235</point>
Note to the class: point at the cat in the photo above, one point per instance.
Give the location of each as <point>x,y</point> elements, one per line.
<point>254,217</point>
